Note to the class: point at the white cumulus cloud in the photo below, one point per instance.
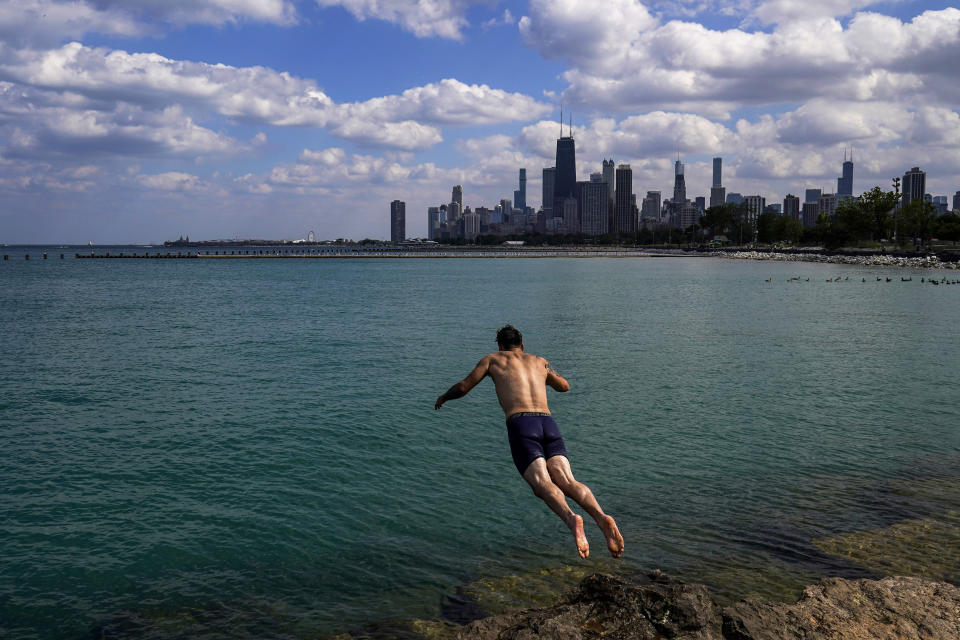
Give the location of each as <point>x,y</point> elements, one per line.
<point>422,18</point>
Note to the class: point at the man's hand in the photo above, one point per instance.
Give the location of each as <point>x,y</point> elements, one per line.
<point>463,387</point>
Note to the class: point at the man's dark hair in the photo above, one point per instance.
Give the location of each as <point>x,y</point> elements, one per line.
<point>508,336</point>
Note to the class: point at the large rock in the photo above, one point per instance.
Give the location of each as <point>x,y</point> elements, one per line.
<point>606,607</point>
<point>887,609</point>
<point>834,609</point>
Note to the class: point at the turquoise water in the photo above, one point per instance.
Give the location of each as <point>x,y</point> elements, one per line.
<point>244,449</point>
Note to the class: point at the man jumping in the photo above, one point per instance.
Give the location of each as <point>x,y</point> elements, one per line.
<point>520,379</point>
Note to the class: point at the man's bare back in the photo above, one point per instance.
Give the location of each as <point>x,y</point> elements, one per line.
<point>521,379</point>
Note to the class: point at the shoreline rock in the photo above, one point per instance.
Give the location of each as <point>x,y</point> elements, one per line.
<point>604,606</point>
<point>868,260</point>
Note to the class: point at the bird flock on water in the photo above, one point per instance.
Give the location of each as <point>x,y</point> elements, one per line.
<point>923,280</point>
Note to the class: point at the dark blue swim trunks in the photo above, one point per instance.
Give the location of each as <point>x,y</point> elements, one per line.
<point>533,435</point>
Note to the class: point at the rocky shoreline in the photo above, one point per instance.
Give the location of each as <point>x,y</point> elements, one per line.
<point>655,607</point>
<point>931,261</point>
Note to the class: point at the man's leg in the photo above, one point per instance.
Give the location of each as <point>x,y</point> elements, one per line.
<point>559,469</point>
<point>538,478</point>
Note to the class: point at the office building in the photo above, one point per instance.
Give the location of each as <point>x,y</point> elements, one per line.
<point>549,177</point>
<point>453,212</point>
<point>433,222</point>
<point>914,186</point>
<point>701,203</point>
<point>520,195</point>
<point>940,202</point>
<point>791,206</point>
<point>650,206</point>
<point>718,196</point>
<point>567,207</point>
<point>565,181</point>
<point>810,213</point>
<point>827,204</point>
<point>624,222</point>
<point>679,184</point>
<point>717,191</point>
<point>457,195</point>
<point>734,198</point>
<point>755,206</point>
<point>471,225</point>
<point>594,205</point>
<point>609,177</point>
<point>398,221</point>
<point>845,182</point>
<point>956,202</point>
<point>812,195</point>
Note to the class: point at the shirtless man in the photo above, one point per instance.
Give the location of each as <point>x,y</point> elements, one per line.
<point>538,451</point>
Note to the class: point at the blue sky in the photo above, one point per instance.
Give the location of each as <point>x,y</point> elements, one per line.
<point>141,120</point>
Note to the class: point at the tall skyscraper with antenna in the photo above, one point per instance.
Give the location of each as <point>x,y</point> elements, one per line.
<point>679,184</point>
<point>845,181</point>
<point>565,180</point>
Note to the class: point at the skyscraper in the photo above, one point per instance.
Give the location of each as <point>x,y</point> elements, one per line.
<point>608,177</point>
<point>940,202</point>
<point>812,195</point>
<point>755,206</point>
<point>565,182</point>
<point>520,195</point>
<point>717,196</point>
<point>717,192</point>
<point>827,204</point>
<point>549,178</point>
<point>914,185</point>
<point>679,185</point>
<point>845,182</point>
<point>398,221</point>
<point>624,222</point>
<point>956,203</point>
<point>791,206</point>
<point>457,195</point>
<point>433,222</point>
<point>594,205</point>
<point>650,206</point>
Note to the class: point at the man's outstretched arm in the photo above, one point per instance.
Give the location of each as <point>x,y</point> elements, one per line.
<point>463,387</point>
<point>555,380</point>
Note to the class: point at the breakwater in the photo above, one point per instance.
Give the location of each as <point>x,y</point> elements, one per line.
<point>930,261</point>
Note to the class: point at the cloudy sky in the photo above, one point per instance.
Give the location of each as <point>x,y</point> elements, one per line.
<point>141,120</point>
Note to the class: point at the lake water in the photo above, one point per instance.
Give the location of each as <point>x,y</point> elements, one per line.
<point>248,448</point>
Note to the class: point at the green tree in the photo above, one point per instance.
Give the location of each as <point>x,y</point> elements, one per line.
<point>917,220</point>
<point>767,227</point>
<point>948,227</point>
<point>879,204</point>
<point>788,229</point>
<point>833,232</point>
<point>852,219</point>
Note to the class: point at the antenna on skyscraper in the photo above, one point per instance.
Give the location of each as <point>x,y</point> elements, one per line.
<point>561,119</point>
<point>570,128</point>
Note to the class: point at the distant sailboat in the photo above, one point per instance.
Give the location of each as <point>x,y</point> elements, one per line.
<point>90,244</point>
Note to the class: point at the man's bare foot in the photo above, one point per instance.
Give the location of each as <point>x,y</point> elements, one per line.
<point>612,534</point>
<point>576,526</point>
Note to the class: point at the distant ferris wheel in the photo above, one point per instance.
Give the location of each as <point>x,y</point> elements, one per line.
<point>311,237</point>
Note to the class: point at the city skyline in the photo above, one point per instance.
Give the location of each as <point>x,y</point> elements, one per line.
<point>140,123</point>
